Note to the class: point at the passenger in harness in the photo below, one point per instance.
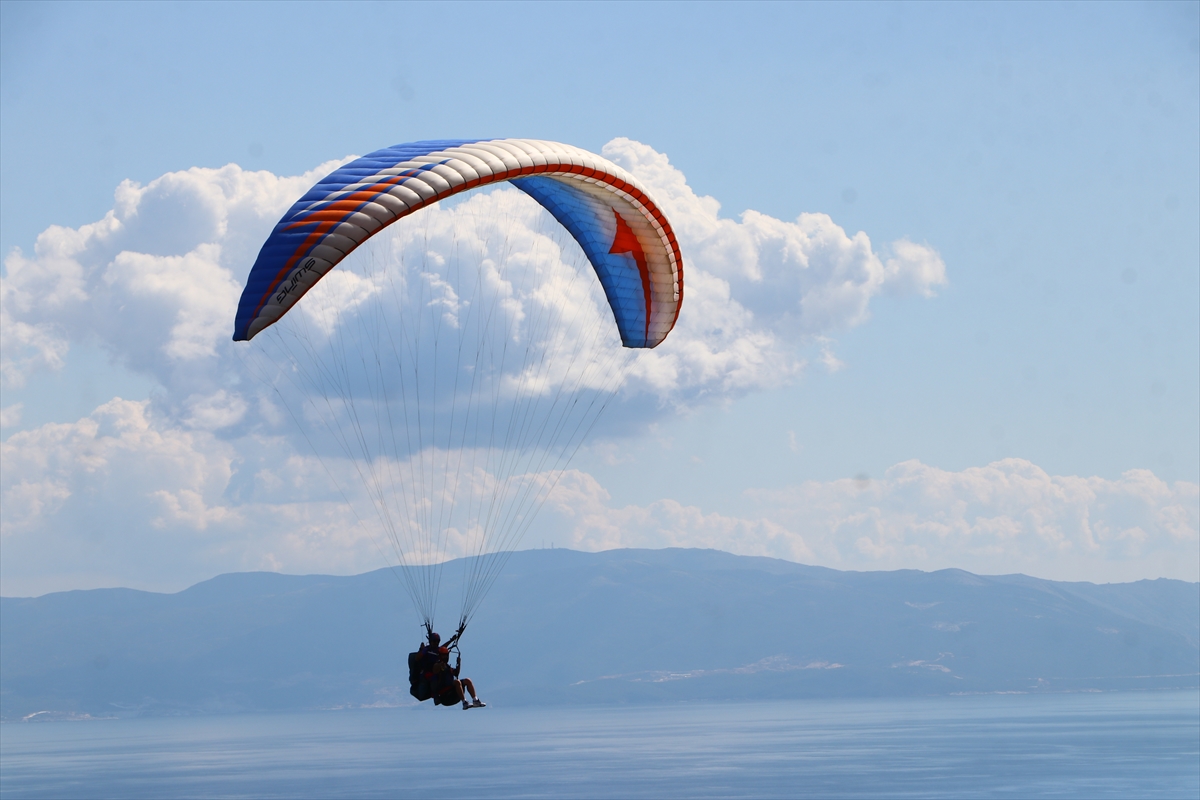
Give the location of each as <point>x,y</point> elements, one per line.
<point>431,676</point>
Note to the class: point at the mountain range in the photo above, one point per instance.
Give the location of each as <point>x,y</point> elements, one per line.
<point>567,627</point>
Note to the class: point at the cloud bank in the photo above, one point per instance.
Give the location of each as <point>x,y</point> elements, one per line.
<point>156,281</point>
<point>1009,516</point>
<point>210,474</point>
<point>122,497</point>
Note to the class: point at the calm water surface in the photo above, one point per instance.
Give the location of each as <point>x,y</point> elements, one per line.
<point>1088,746</point>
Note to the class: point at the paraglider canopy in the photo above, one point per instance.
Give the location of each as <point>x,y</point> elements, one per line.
<point>625,235</point>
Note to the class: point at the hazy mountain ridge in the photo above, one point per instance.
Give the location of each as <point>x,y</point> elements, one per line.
<point>621,626</point>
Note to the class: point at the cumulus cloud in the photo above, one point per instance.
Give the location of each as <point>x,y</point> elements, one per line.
<point>124,496</point>
<point>74,492</point>
<point>10,416</point>
<point>805,277</point>
<point>217,410</point>
<point>210,474</point>
<point>1009,516</point>
<point>110,449</point>
<point>25,347</point>
<point>213,472</point>
<point>582,507</point>
<point>157,280</point>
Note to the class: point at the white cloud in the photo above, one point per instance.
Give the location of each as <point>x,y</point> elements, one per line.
<point>99,459</point>
<point>126,497</point>
<point>186,298</point>
<point>25,348</point>
<point>913,269</point>
<point>10,416</point>
<point>831,362</point>
<point>156,281</point>
<point>582,504</point>
<point>211,474</point>
<point>215,411</point>
<point>1009,516</point>
<point>339,293</point>
<point>800,279</point>
<point>77,500</point>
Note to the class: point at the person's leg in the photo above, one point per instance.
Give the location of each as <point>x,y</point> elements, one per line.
<point>470,687</point>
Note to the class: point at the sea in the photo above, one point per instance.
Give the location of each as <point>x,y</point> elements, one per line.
<point>1119,745</point>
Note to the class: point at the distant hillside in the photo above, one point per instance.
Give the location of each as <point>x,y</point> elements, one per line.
<point>614,627</point>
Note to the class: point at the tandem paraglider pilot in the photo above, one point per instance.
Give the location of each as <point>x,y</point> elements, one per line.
<point>628,262</point>
<point>430,675</point>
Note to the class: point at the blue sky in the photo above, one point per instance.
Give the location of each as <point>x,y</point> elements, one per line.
<point>1046,153</point>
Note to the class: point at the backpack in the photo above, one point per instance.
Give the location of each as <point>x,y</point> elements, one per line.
<point>418,684</point>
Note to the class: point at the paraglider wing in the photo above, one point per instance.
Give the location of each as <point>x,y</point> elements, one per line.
<point>620,228</point>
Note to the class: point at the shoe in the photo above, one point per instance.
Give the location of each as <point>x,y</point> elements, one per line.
<point>466,705</point>
<point>479,704</point>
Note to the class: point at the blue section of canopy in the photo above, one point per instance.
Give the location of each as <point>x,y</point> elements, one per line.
<point>592,224</point>
<point>283,242</point>
<point>275,251</point>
